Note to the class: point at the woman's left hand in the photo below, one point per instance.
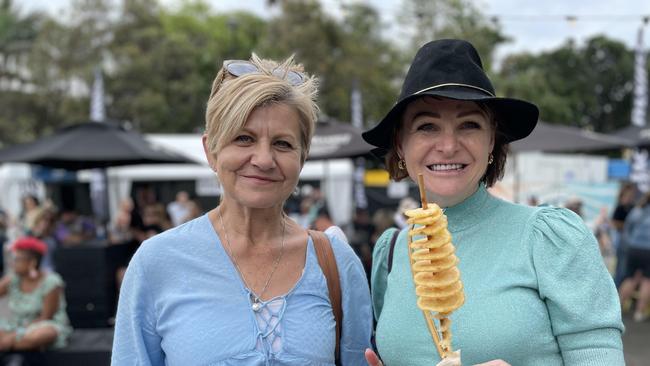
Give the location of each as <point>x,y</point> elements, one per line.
<point>372,358</point>
<point>494,363</point>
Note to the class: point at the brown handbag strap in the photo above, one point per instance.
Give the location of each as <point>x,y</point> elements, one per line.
<point>327,263</point>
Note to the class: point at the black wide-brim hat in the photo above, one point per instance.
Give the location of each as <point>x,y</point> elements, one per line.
<point>452,68</point>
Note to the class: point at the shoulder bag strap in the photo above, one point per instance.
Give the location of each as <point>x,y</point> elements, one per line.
<point>327,263</point>
<point>391,249</point>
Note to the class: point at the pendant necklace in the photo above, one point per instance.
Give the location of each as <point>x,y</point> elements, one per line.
<point>256,299</point>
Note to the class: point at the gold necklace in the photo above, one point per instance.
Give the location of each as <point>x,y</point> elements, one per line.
<point>257,299</point>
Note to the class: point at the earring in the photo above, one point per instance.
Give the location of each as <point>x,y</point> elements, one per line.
<point>490,159</point>
<point>33,273</point>
<point>401,164</point>
<point>296,191</point>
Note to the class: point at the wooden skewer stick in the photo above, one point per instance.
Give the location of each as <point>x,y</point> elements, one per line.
<point>434,334</point>
<point>423,193</point>
<point>427,316</point>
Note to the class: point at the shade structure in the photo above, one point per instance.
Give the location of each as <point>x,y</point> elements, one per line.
<point>337,140</point>
<point>640,135</point>
<point>91,145</point>
<point>557,138</point>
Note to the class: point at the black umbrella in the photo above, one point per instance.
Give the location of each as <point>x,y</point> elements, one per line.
<point>91,145</point>
<point>336,140</point>
<point>556,138</point>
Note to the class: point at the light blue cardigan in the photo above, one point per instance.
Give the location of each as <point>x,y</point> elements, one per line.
<point>183,303</point>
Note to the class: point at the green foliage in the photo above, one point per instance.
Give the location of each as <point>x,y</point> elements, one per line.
<point>166,62</point>
<point>436,19</point>
<point>159,63</point>
<point>51,66</point>
<point>340,54</point>
<point>588,86</point>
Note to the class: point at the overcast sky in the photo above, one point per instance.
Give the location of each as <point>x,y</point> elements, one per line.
<point>533,25</point>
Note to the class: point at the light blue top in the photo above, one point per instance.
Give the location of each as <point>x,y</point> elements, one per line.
<point>536,291</point>
<point>182,302</point>
<point>636,232</point>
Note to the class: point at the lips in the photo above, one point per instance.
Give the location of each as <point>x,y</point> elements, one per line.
<point>260,178</point>
<point>449,167</point>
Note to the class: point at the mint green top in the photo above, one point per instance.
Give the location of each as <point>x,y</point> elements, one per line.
<point>26,307</point>
<point>536,291</point>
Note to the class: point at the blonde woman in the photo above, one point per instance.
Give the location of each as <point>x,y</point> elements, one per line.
<point>241,285</point>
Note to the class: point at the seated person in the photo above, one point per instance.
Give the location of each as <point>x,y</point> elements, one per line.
<point>73,229</point>
<point>36,302</point>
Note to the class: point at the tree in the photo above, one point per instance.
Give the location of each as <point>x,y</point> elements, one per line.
<point>584,86</point>
<point>17,36</point>
<point>53,70</point>
<point>165,61</point>
<point>373,62</point>
<point>339,53</point>
<point>435,19</point>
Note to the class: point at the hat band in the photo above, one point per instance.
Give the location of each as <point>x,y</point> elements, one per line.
<point>454,84</point>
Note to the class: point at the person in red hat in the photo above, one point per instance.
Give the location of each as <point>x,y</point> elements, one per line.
<point>38,318</point>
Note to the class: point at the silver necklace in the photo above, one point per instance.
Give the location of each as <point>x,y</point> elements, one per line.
<point>257,302</point>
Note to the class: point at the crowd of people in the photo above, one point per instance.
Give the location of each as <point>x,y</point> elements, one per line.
<point>35,315</point>
<point>623,236</point>
<point>631,230</point>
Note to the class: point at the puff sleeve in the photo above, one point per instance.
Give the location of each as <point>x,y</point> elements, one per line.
<point>578,291</point>
<point>52,281</point>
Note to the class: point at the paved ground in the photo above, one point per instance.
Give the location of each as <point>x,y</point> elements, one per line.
<point>636,342</point>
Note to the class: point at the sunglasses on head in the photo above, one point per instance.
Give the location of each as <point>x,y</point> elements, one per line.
<point>241,67</point>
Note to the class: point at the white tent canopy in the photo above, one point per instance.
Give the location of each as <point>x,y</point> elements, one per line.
<point>336,176</point>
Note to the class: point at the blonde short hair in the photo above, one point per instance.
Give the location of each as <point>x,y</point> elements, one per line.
<point>233,99</point>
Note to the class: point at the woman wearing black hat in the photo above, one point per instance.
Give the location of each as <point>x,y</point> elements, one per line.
<point>536,290</point>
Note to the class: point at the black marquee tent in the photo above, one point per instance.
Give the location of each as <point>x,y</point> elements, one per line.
<point>558,138</point>
<point>90,145</point>
<point>337,140</point>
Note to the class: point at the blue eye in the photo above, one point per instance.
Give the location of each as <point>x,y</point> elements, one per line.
<point>243,138</point>
<point>471,125</point>
<point>426,127</point>
<point>284,144</point>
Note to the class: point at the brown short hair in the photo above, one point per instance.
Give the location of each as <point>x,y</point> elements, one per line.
<point>494,171</point>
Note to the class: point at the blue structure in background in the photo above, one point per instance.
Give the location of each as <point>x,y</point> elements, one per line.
<point>618,169</point>
<point>49,175</point>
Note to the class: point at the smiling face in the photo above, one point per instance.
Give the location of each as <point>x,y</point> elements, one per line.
<point>259,168</point>
<point>449,142</point>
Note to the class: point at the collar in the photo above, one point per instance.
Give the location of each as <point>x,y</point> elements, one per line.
<point>469,212</point>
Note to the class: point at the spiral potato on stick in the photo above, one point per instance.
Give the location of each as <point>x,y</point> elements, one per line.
<point>434,266</point>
